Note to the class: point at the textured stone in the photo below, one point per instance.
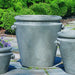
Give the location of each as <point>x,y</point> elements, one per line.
<point>16,64</point>
<point>25,72</point>
<point>57,71</point>
<point>16,68</point>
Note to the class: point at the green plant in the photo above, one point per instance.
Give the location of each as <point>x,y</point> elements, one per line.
<point>8,20</point>
<point>41,8</point>
<point>18,6</point>
<point>26,11</point>
<point>58,7</point>
<point>68,3</point>
<point>73,7</point>
<point>1,14</point>
<point>48,1</point>
<point>4,3</point>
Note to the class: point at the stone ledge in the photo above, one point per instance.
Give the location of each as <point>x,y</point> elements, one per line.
<point>17,69</point>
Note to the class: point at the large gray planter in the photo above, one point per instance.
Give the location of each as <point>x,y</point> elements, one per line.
<point>67,48</point>
<point>35,36</point>
<point>5,56</point>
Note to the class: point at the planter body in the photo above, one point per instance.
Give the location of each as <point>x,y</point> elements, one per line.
<point>36,35</point>
<point>67,49</point>
<point>5,57</point>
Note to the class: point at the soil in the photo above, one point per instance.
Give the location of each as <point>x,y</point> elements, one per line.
<point>2,33</point>
<point>64,21</point>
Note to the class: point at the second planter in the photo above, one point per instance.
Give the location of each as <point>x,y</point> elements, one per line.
<point>67,48</point>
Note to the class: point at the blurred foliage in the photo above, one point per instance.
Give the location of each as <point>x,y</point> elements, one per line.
<point>41,8</point>
<point>58,7</point>
<point>1,14</point>
<point>10,8</point>
<point>8,20</point>
<point>26,11</point>
<point>71,7</point>
<point>18,6</point>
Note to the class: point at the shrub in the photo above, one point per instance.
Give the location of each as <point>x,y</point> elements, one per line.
<point>70,7</point>
<point>8,20</point>
<point>58,7</point>
<point>41,8</point>
<point>73,7</point>
<point>31,2</point>
<point>4,4</point>
<point>1,14</point>
<point>48,1</point>
<point>18,6</point>
<point>26,11</point>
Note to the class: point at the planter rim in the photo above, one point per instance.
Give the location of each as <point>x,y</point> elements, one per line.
<point>36,24</point>
<point>38,17</point>
<point>67,40</point>
<point>5,49</point>
<point>69,34</point>
<point>6,54</point>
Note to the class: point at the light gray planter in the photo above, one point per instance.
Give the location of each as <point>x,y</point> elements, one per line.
<point>5,56</point>
<point>67,48</point>
<point>35,36</point>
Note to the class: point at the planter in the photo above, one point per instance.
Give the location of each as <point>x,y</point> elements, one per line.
<point>5,56</point>
<point>67,48</point>
<point>36,35</point>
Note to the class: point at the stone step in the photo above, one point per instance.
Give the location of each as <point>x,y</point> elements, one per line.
<point>57,72</point>
<point>25,72</point>
<point>17,69</point>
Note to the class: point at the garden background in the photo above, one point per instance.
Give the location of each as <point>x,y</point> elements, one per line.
<point>10,8</point>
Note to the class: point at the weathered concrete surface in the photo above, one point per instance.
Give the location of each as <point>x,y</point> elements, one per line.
<point>17,69</point>
<point>25,72</point>
<point>57,71</point>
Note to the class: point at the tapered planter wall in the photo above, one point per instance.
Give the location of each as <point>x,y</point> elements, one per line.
<point>36,35</point>
<point>5,56</point>
<point>67,49</point>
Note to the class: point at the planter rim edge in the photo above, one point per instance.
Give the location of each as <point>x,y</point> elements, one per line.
<point>38,17</point>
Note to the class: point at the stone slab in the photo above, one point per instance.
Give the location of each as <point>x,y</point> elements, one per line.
<point>16,68</point>
<point>25,72</point>
<point>16,65</point>
<point>57,71</point>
